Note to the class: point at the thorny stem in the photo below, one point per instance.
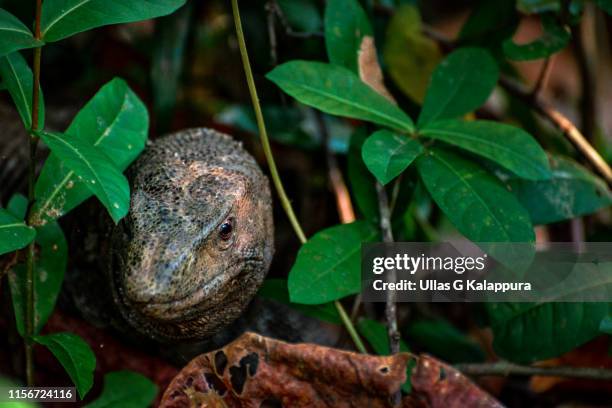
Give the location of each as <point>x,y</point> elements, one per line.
<point>30,250</point>
<point>504,368</point>
<point>272,164</point>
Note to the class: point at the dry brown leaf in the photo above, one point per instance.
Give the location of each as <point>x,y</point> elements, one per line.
<point>254,369</point>
<point>438,385</point>
<point>369,68</point>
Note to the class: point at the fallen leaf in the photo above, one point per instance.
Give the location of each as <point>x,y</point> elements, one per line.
<point>254,369</point>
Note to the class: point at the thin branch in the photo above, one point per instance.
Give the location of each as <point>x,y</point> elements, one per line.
<point>30,250</point>
<point>540,83</point>
<point>272,164</point>
<point>504,368</point>
<point>569,130</point>
<point>587,97</point>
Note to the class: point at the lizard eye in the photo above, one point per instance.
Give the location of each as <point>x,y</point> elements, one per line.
<point>226,229</point>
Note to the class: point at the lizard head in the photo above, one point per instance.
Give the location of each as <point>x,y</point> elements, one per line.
<point>198,239</point>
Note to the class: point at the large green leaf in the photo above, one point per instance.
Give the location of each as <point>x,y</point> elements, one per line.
<point>328,266</point>
<point>554,39</point>
<point>410,55</point>
<point>115,121</point>
<point>345,26</point>
<point>444,340</point>
<point>461,83</point>
<point>14,233</point>
<point>527,332</point>
<point>475,201</point>
<point>125,389</point>
<point>18,79</point>
<point>276,289</point>
<point>75,355</point>
<point>387,154</point>
<point>50,268</point>
<point>94,168</point>
<point>338,91</point>
<point>14,35</point>
<point>509,146</point>
<point>63,18</point>
<point>571,191</point>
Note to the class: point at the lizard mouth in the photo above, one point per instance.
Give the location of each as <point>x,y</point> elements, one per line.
<point>210,296</point>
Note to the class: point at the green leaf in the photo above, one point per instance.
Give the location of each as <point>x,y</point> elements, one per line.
<point>63,18</point>
<point>75,355</point>
<point>606,325</point>
<point>95,169</point>
<point>116,122</point>
<point>474,201</point>
<point>302,15</point>
<point>50,268</point>
<point>605,5</point>
<point>362,183</point>
<point>328,266</point>
<point>387,154</point>
<point>377,336</point>
<point>554,39</point>
<point>276,289</point>
<point>126,389</point>
<point>18,78</point>
<point>461,83</point>
<point>14,233</point>
<point>489,25</point>
<point>338,91</point>
<point>14,35</point>
<point>509,146</point>
<point>411,56</point>
<point>527,332</point>
<point>345,26</point>
<point>571,191</point>
<point>442,339</point>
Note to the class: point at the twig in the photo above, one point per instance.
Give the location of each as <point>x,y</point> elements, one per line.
<point>504,368</point>
<point>30,250</point>
<point>390,306</point>
<point>272,164</point>
<point>587,97</point>
<point>542,77</point>
<point>569,130</point>
<point>271,7</point>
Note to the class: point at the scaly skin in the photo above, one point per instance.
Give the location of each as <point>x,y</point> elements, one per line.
<point>178,272</point>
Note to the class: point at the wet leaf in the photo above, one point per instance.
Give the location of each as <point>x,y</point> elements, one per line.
<point>411,57</point>
<point>554,39</point>
<point>527,332</point>
<point>126,389</point>
<point>95,169</point>
<point>346,24</point>
<point>508,146</point>
<point>63,18</point>
<point>17,77</point>
<point>328,266</point>
<point>388,154</point>
<point>14,233</point>
<point>116,122</point>
<point>75,355</point>
<point>461,83</point>
<point>571,191</point>
<point>337,91</point>
<point>474,201</point>
<point>14,35</point>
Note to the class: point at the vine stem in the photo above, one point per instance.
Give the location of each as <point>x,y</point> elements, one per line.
<point>30,251</point>
<point>285,202</point>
